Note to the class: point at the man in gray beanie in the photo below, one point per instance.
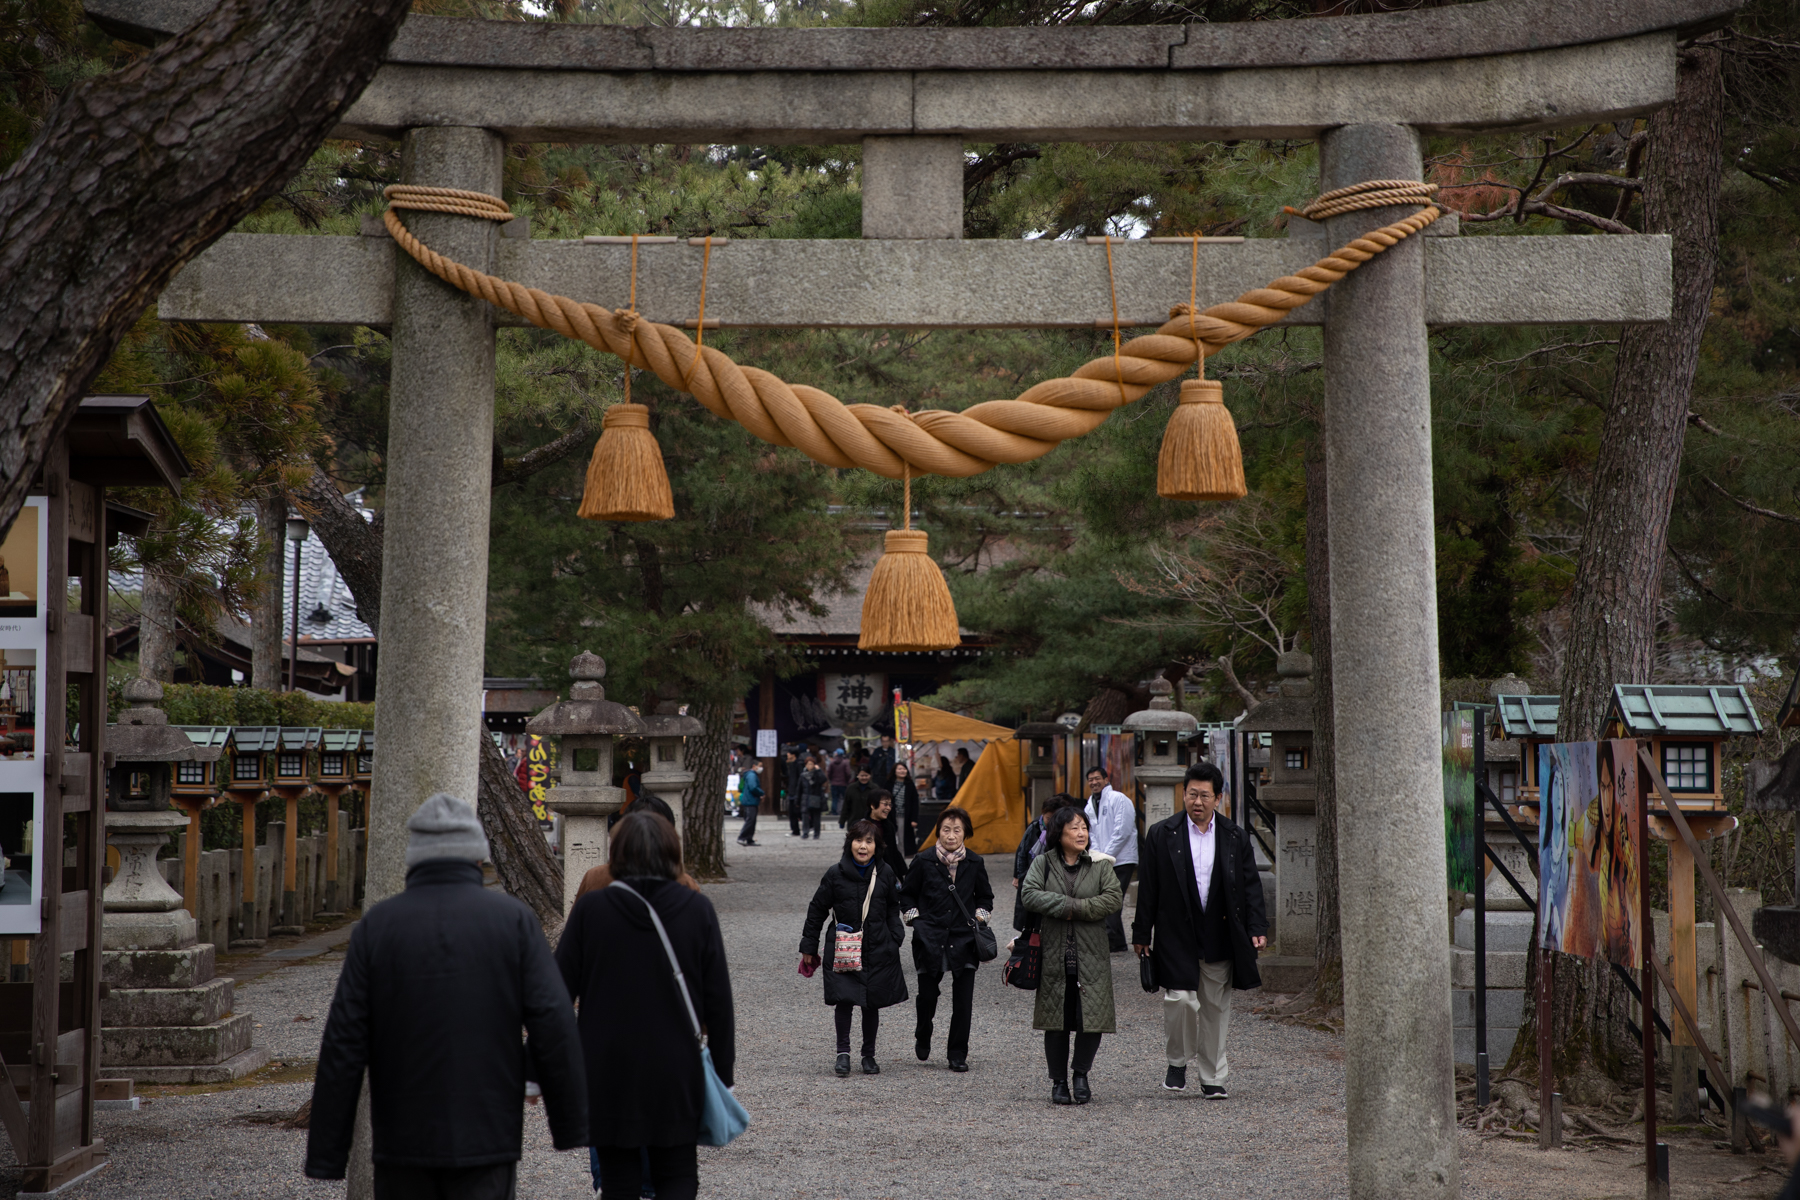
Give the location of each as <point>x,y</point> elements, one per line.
<point>437,984</point>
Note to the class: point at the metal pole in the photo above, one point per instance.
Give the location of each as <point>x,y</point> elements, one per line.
<point>1481,1023</point>
<point>1546,989</point>
<point>1656,1184</point>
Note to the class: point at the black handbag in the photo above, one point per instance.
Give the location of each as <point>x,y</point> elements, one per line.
<point>1025,965</point>
<point>1147,973</point>
<point>987,946</point>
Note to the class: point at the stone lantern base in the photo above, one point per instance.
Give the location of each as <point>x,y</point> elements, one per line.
<point>165,1017</point>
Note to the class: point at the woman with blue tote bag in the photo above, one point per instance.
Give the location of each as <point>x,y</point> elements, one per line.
<point>658,1071</point>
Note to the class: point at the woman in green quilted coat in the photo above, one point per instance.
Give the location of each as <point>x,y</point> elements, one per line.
<point>1072,893</point>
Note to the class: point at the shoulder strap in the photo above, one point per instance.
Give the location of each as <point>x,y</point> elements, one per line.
<point>950,882</point>
<point>669,949</point>
<point>874,873</point>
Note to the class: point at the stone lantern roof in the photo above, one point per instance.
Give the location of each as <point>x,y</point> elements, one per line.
<point>587,710</point>
<point>144,734</point>
<point>1291,711</point>
<point>1161,716</point>
<point>667,722</point>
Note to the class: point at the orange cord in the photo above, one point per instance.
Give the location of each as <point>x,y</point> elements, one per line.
<point>1118,369</point>
<point>700,322</point>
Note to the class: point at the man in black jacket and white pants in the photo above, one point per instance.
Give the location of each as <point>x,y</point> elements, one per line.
<point>437,983</point>
<point>1200,918</point>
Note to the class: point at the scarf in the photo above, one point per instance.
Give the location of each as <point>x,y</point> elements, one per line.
<point>950,860</point>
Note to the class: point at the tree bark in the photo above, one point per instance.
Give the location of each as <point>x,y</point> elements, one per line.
<point>1328,984</point>
<point>136,172</point>
<point>157,637</point>
<point>703,812</point>
<point>1612,625</point>
<point>268,665</point>
<point>521,856</point>
<point>354,544</point>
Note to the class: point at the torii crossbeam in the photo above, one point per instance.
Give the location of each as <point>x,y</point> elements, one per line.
<point>455,91</point>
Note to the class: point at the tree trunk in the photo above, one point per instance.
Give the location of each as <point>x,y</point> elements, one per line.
<point>1328,985</point>
<point>354,544</point>
<point>268,665</point>
<point>1612,625</point>
<point>703,811</point>
<point>136,172</point>
<point>521,855</point>
<point>157,639</point>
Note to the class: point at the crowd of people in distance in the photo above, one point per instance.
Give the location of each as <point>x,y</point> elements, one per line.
<point>439,980</point>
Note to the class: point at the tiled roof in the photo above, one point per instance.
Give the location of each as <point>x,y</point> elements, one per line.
<point>327,610</point>
<point>1659,710</point>
<point>1529,716</point>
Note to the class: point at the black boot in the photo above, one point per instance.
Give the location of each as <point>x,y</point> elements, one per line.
<point>1081,1094</point>
<point>843,1064</point>
<point>922,1044</point>
<point>869,1066</point>
<point>1059,1092</point>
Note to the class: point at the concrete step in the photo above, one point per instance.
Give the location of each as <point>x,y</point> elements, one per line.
<point>158,968</point>
<point>200,1005</point>
<point>235,1067</point>
<point>1505,1006</point>
<point>1505,968</point>
<point>1505,930</point>
<point>174,1045</point>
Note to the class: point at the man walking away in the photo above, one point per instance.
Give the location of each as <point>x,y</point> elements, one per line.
<point>437,983</point>
<point>750,796</point>
<point>837,774</point>
<point>859,797</point>
<point>1113,819</point>
<point>1200,918</point>
<point>881,765</point>
<point>790,799</point>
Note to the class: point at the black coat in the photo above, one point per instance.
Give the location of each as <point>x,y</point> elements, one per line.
<point>881,981</point>
<point>1023,857</point>
<point>887,849</point>
<point>859,798</point>
<point>813,788</point>
<point>437,983</point>
<point>1168,906</point>
<point>942,939</point>
<point>645,1084</point>
<point>906,798</point>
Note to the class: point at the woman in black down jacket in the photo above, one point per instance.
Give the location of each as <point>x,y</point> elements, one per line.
<point>906,804</point>
<point>645,1084</point>
<point>881,982</point>
<point>942,937</point>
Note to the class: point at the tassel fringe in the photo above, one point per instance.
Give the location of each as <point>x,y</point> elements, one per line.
<point>626,480</point>
<point>908,605</point>
<point>1200,458</point>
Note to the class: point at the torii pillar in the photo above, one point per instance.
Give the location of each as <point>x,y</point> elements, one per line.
<point>1399,1071</point>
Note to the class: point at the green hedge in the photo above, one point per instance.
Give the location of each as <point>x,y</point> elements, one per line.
<point>204,704</point>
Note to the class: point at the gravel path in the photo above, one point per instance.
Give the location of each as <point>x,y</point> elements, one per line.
<point>916,1130</point>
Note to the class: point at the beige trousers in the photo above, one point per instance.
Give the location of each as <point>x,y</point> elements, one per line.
<point>1196,1024</point>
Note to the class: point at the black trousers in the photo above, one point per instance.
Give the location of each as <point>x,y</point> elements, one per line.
<point>792,801</point>
<point>496,1182</point>
<point>811,824</point>
<point>962,1009</point>
<point>674,1172</point>
<point>1056,1041</point>
<point>748,834</point>
<point>871,1025</point>
<point>1115,924</point>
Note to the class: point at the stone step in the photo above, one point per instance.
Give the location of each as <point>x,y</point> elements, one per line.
<point>1505,968</point>
<point>1505,1006</point>
<point>1500,1041</point>
<point>147,1007</point>
<point>235,1067</point>
<point>158,968</point>
<point>1505,930</point>
<point>174,1045</point>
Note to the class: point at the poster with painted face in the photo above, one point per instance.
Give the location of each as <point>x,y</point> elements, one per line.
<point>1590,899</point>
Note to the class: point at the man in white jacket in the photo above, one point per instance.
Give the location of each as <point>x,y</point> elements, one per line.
<point>1112,831</point>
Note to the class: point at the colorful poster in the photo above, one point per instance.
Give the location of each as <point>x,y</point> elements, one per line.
<point>902,719</point>
<point>23,587</point>
<point>1588,891</point>
<point>1459,729</point>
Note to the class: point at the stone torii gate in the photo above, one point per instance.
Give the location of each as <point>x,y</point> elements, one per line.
<point>454,92</point>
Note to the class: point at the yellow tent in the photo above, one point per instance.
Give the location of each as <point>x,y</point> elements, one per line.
<point>994,796</point>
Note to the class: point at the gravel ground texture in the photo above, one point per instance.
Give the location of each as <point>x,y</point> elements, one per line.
<point>916,1130</point>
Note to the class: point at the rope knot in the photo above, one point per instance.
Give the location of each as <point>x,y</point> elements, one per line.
<point>1180,310</point>
<point>625,320</point>
<point>902,410</point>
<point>1370,193</point>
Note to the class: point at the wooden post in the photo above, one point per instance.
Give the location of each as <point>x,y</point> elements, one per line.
<point>1684,1056</point>
<point>190,856</point>
<point>291,921</point>
<point>247,922</point>
<point>1656,1185</point>
<point>1546,1073</point>
<point>332,794</point>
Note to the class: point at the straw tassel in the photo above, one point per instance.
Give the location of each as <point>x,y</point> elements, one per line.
<point>1200,458</point>
<point>626,480</point>
<point>908,605</point>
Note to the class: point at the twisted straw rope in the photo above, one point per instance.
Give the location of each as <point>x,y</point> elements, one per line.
<point>893,443</point>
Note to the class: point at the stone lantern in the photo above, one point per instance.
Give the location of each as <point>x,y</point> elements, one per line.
<point>144,749</point>
<point>667,774</point>
<point>1291,793</point>
<point>585,726</point>
<point>1159,730</point>
<point>1039,739</point>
